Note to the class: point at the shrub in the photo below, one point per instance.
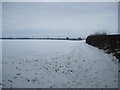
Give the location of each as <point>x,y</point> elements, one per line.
<point>98,39</point>
<point>99,34</point>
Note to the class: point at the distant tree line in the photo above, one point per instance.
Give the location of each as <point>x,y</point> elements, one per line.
<point>67,38</point>
<point>50,38</point>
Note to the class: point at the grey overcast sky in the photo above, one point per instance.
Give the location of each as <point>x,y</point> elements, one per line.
<point>58,19</point>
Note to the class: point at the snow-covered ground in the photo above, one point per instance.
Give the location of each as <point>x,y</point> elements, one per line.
<point>0,64</point>
<point>57,64</point>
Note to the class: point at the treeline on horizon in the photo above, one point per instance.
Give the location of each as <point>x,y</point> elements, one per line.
<point>49,38</point>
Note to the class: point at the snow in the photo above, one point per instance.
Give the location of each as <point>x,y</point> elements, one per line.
<point>0,64</point>
<point>57,64</point>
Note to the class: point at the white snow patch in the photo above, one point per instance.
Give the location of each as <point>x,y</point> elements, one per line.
<point>57,64</point>
<point>0,64</point>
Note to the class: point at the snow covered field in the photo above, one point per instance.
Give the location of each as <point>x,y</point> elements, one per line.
<point>0,64</point>
<point>57,64</point>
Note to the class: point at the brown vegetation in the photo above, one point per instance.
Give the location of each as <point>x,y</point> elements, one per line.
<point>110,43</point>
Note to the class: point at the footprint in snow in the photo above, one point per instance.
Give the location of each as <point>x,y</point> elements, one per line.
<point>15,77</point>
<point>36,60</point>
<point>83,60</point>
<point>10,81</point>
<point>18,74</point>
<point>34,80</point>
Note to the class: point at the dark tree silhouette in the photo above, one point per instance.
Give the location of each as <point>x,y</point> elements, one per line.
<point>79,38</point>
<point>67,38</point>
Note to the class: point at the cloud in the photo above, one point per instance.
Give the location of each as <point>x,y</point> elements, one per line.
<point>83,18</point>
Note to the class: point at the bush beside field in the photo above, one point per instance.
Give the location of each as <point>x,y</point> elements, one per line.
<point>109,43</point>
